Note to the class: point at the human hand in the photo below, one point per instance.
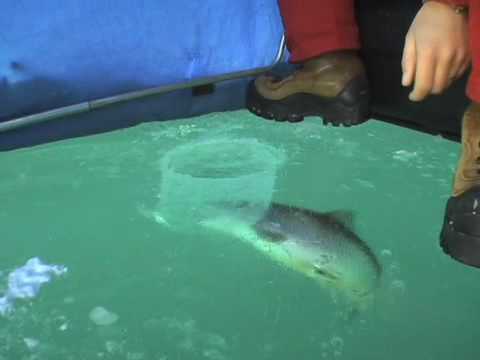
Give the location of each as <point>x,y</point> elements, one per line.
<point>436,50</point>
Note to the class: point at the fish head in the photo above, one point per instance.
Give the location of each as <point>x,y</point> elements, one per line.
<point>353,289</point>
<point>350,275</point>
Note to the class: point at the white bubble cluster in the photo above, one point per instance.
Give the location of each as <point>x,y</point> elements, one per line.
<point>25,282</point>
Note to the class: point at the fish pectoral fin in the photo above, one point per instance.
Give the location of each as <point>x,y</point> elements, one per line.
<point>325,273</point>
<point>346,217</point>
<point>270,235</point>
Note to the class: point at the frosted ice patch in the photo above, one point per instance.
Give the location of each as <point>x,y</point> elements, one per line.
<point>31,343</point>
<point>337,342</point>
<point>365,183</point>
<point>398,285</point>
<point>386,253</point>
<point>152,215</point>
<point>216,340</point>
<point>332,348</point>
<point>25,282</point>
<point>213,354</point>
<point>113,346</point>
<point>160,219</point>
<point>186,344</point>
<point>69,300</point>
<point>189,338</point>
<point>102,317</point>
<point>5,305</point>
<point>404,155</point>
<point>135,356</point>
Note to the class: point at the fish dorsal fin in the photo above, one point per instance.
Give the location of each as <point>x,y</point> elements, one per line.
<point>346,217</point>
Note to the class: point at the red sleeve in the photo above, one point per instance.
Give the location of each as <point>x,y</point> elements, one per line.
<point>460,2</point>
<point>453,3</point>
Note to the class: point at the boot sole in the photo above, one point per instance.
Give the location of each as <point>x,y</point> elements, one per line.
<point>350,107</point>
<point>460,235</point>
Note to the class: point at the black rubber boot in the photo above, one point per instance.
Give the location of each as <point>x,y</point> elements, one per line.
<point>333,86</point>
<point>460,236</point>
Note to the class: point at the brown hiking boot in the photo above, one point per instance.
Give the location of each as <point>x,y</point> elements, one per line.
<point>460,237</point>
<point>333,86</point>
<point>468,170</point>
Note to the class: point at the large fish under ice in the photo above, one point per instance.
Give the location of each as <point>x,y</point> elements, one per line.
<point>322,246</point>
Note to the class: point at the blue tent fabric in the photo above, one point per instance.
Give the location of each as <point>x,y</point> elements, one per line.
<point>228,96</point>
<point>56,53</point>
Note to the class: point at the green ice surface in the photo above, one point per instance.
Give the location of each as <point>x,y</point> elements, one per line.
<point>89,203</point>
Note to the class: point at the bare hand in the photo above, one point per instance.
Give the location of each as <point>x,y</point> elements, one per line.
<point>436,50</point>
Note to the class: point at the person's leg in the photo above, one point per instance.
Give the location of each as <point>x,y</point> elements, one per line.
<point>322,37</point>
<point>461,229</point>
<point>468,170</point>
<point>316,27</point>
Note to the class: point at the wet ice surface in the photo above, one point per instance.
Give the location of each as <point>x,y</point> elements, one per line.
<point>91,203</point>
<point>103,317</point>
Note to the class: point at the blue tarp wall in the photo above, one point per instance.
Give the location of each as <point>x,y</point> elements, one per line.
<point>57,53</point>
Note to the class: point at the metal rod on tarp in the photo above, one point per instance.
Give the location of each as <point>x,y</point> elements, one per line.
<point>96,104</point>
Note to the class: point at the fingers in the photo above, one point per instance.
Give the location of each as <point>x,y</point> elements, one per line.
<point>432,69</point>
<point>424,76</point>
<point>435,72</point>
<point>461,64</point>
<point>443,72</point>
<point>462,69</point>
<point>408,61</point>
